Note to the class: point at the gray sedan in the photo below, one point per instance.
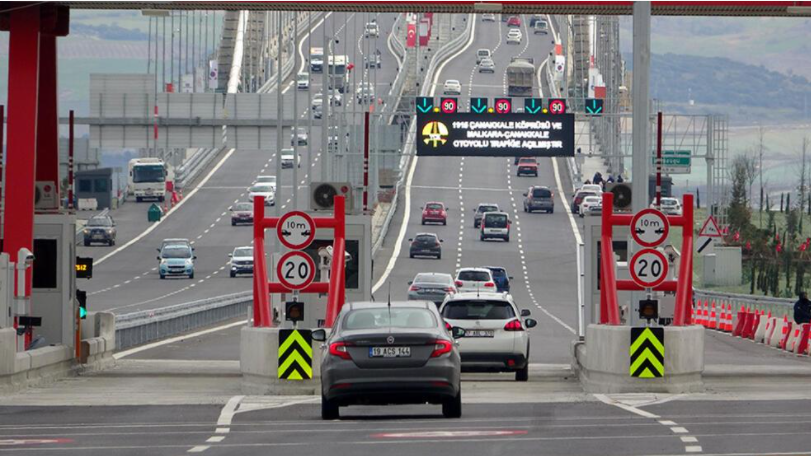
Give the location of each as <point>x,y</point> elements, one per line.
<point>431,286</point>
<point>390,353</point>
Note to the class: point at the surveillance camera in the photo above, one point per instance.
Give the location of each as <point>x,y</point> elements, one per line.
<point>25,255</point>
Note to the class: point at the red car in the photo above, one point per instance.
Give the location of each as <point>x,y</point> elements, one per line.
<point>527,165</point>
<point>514,21</point>
<point>434,212</point>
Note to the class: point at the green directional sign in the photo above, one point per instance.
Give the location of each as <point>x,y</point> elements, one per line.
<point>478,105</point>
<point>425,104</point>
<point>533,105</point>
<point>594,106</point>
<point>674,161</point>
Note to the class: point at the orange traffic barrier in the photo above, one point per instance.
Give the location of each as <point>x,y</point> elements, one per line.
<point>729,326</point>
<point>739,323</point>
<point>694,319</point>
<point>771,332</point>
<point>755,322</point>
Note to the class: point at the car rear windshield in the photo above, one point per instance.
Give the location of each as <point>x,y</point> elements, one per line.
<point>495,221</point>
<point>425,238</point>
<point>541,193</point>
<point>389,318</point>
<point>243,207</point>
<point>243,252</point>
<point>669,202</point>
<point>176,252</point>
<point>527,160</point>
<point>430,278</point>
<point>261,188</point>
<point>488,208</point>
<point>433,207</point>
<point>478,310</point>
<point>474,276</point>
<point>498,272</point>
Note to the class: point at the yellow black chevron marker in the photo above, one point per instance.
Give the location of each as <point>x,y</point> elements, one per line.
<point>647,352</point>
<point>295,354</point>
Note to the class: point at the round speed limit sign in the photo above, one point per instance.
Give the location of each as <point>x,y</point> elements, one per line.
<point>648,268</point>
<point>295,270</point>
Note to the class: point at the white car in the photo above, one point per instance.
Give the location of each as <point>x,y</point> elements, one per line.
<point>300,136</point>
<point>670,206</point>
<point>241,261</point>
<point>303,81</point>
<point>288,157</point>
<point>266,191</point>
<point>487,66</point>
<point>590,206</point>
<point>482,54</point>
<point>514,36</point>
<point>371,30</point>
<point>267,180</point>
<point>452,87</point>
<point>495,332</point>
<point>488,17</point>
<point>596,188</point>
<point>473,279</point>
<point>365,93</point>
<point>335,99</point>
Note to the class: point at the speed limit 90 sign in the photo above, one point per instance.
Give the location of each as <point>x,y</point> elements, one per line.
<point>448,105</point>
<point>503,105</point>
<point>649,268</point>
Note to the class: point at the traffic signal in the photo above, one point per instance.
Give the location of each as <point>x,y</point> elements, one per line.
<point>594,106</point>
<point>533,105</point>
<point>81,296</point>
<point>478,105</point>
<point>425,104</point>
<point>448,105</point>
<point>294,311</point>
<point>503,105</point>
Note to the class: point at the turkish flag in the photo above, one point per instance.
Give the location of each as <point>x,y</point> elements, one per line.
<point>411,35</point>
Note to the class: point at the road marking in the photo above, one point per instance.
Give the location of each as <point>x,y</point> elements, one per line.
<point>629,408</point>
<point>215,439</point>
<point>688,439</point>
<point>667,423</point>
<point>563,200</point>
<point>199,449</point>
<point>693,449</point>
<point>679,430</point>
<point>172,340</point>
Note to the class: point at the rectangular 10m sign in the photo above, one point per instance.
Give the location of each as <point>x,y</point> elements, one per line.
<point>495,135</point>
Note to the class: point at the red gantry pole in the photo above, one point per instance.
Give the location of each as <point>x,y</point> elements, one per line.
<point>366,162</point>
<point>261,293</point>
<point>335,299</point>
<point>684,291</point>
<point>609,307</point>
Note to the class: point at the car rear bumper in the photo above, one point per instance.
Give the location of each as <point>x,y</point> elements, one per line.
<point>433,218</point>
<point>541,205</point>
<point>426,252</point>
<point>527,170</point>
<point>434,382</point>
<point>242,219</point>
<point>436,298</point>
<point>493,362</point>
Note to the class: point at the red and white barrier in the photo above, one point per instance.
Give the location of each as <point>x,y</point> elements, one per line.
<point>766,324</point>
<point>779,331</point>
<point>786,333</point>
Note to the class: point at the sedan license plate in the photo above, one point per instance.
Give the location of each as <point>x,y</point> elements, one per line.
<point>389,352</point>
<point>479,333</point>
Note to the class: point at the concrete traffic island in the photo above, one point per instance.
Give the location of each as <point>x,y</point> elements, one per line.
<point>603,362</point>
<point>259,364</point>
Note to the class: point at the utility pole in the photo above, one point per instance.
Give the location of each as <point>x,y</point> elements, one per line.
<point>325,105</point>
<point>279,123</point>
<point>294,139</point>
<point>641,118</point>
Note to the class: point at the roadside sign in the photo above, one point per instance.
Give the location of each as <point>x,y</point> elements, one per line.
<point>707,235</point>
<point>478,105</point>
<point>296,230</point>
<point>295,270</point>
<point>503,105</point>
<point>84,268</point>
<point>648,268</point>
<point>425,104</point>
<point>647,352</point>
<point>557,106</point>
<point>594,106</point>
<point>710,228</point>
<point>295,354</point>
<point>649,227</point>
<point>448,105</point>
<point>674,162</point>
<point>533,105</point>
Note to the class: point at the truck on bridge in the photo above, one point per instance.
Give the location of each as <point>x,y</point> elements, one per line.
<point>147,178</point>
<point>520,77</point>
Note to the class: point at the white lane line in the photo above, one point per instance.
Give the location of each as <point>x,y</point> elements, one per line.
<point>693,449</point>
<point>565,203</point>
<point>688,439</point>
<point>222,430</point>
<point>229,410</point>
<point>679,430</point>
<point>215,439</point>
<point>171,211</point>
<point>172,340</point>
<point>667,423</point>
<point>199,449</point>
<point>628,408</point>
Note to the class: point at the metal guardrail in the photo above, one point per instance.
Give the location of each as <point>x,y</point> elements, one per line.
<point>778,307</point>
<point>145,326</point>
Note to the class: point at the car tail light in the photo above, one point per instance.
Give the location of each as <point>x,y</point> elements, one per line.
<point>514,325</point>
<point>489,284</point>
<point>448,326</point>
<point>339,349</point>
<point>459,283</point>
<point>449,290</point>
<point>441,346</point>
<point>414,288</point>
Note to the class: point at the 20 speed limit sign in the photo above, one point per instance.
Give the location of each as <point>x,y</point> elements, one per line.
<point>648,268</point>
<point>295,270</point>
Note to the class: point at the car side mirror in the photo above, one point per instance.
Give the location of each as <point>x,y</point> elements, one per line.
<point>525,312</point>
<point>511,277</point>
<point>194,257</point>
<point>159,250</point>
<point>319,335</point>
<point>158,257</point>
<point>411,282</point>
<point>410,239</point>
<point>422,207</point>
<point>530,323</point>
<point>441,240</point>
<point>457,332</point>
<point>230,255</point>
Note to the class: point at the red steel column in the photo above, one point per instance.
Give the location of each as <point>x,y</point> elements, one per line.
<point>23,82</point>
<point>47,163</point>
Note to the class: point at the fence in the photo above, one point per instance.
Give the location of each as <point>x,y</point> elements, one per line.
<point>778,307</point>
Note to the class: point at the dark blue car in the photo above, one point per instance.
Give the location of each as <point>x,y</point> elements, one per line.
<point>501,278</point>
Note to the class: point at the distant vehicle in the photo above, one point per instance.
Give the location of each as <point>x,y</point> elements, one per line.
<point>425,244</point>
<point>520,77</point>
<point>495,332</point>
<point>434,212</point>
<point>487,66</point>
<point>514,21</point>
<point>372,61</point>
<point>495,225</point>
<point>540,27</point>
<point>452,87</point>
<point>514,36</point>
<point>596,188</point>
<point>303,81</point>
<point>481,209</point>
<point>267,180</point>
<point>176,260</point>
<point>539,199</point>
<point>501,278</point>
<point>241,261</point>
<point>318,112</point>
<point>474,279</point>
<point>241,213</point>
<point>591,205</point>
<point>316,59</point>
<point>147,178</point>
<point>300,136</point>
<point>431,286</point>
<point>482,54</point>
<point>289,158</point>
<point>175,241</point>
<point>488,17</point>
<point>371,30</point>
<point>527,165</point>
<point>266,191</point>
<point>578,198</point>
<point>338,72</point>
<point>100,228</point>
<point>670,206</point>
<point>406,340</point>
<point>535,18</point>
<point>365,93</point>
<point>335,99</point>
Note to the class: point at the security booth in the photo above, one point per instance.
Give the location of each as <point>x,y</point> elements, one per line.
<point>96,184</point>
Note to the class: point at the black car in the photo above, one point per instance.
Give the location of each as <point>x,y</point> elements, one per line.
<point>101,229</point>
<point>426,244</point>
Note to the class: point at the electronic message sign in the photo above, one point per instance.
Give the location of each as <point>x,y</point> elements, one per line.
<point>488,135</point>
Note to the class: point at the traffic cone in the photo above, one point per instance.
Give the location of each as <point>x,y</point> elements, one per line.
<point>729,327</point>
<point>696,317</point>
<point>713,323</point>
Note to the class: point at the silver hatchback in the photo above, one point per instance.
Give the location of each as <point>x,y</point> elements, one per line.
<point>390,353</point>
<point>431,286</point>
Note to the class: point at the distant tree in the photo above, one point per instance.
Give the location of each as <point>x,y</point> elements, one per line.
<point>739,212</point>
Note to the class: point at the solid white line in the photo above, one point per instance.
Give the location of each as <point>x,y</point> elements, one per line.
<point>132,351</point>
<point>607,400</point>
<point>563,200</point>
<point>228,411</point>
<point>171,211</point>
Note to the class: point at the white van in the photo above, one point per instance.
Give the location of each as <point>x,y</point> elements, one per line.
<point>482,54</point>
<point>495,225</point>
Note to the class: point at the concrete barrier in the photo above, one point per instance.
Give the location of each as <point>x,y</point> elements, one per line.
<point>763,328</point>
<point>603,361</point>
<point>259,363</point>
